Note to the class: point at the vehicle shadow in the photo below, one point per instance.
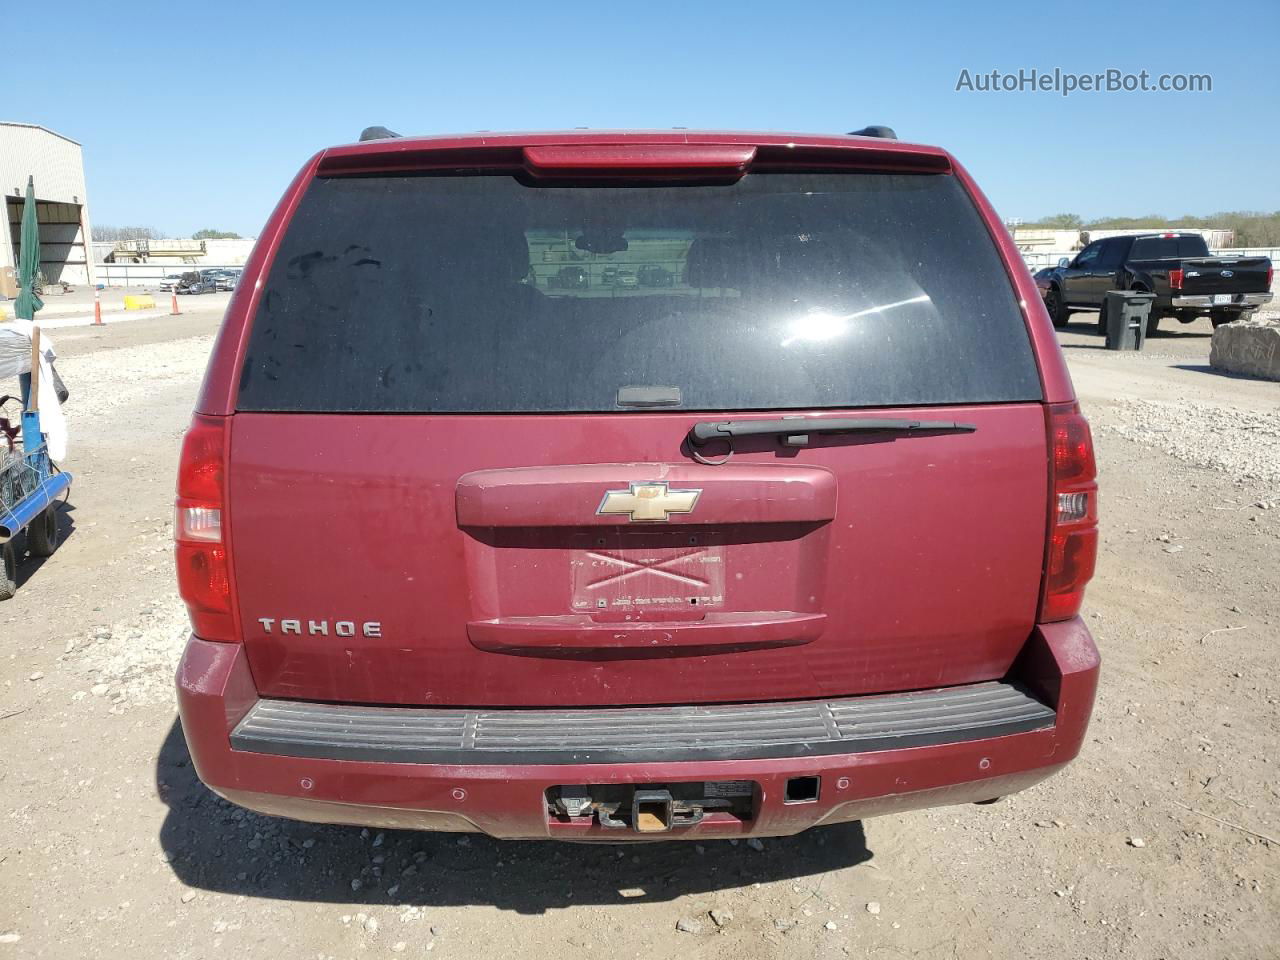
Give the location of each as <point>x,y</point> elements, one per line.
<point>28,565</point>
<point>214,845</point>
<point>1100,342</point>
<point>1169,328</point>
<point>1215,371</point>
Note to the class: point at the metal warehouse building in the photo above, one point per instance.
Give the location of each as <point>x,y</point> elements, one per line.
<point>57,165</point>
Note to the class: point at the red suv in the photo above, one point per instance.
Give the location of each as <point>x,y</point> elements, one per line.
<point>798,538</point>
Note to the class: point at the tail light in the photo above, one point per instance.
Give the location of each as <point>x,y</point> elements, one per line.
<point>1270,273</point>
<point>204,572</point>
<point>1072,548</point>
<point>1175,279</point>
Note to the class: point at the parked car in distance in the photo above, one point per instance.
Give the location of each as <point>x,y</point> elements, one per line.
<point>170,281</point>
<point>653,275</point>
<point>222,278</point>
<point>1041,279</point>
<point>569,278</point>
<point>800,550</point>
<point>1176,267</point>
<point>608,276</point>
<point>196,282</point>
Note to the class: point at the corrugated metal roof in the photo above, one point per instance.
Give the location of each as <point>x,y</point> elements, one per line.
<point>36,126</point>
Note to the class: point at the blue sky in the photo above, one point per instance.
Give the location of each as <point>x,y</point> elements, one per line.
<point>198,117</point>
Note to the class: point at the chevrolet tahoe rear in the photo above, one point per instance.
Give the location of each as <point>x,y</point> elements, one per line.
<point>799,535</point>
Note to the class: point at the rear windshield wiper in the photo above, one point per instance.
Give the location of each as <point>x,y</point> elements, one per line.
<point>795,431</point>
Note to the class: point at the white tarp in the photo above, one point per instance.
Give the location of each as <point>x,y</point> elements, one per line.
<point>15,358</point>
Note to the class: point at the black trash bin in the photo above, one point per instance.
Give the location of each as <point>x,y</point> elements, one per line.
<point>1126,315</point>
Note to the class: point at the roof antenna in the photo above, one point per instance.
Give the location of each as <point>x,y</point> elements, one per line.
<point>884,133</point>
<point>377,133</point>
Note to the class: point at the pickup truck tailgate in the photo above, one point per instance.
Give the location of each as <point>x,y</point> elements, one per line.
<point>1225,275</point>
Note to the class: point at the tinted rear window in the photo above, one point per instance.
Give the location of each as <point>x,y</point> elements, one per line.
<point>782,291</point>
<point>1168,248</point>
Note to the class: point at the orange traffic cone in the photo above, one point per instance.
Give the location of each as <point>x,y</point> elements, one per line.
<point>174,311</point>
<point>97,311</point>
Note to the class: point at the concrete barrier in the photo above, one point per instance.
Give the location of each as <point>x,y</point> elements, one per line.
<point>1250,347</point>
<point>139,302</point>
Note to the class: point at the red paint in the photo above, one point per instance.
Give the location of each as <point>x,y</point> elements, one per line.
<point>740,492</point>
<point>857,565</point>
<point>923,583</point>
<point>507,801</point>
<point>582,637</point>
<point>507,151</point>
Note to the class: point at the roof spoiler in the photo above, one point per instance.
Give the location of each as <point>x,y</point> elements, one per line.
<point>883,133</point>
<point>378,133</point>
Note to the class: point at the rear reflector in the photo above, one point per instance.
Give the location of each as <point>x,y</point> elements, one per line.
<point>205,588</point>
<point>1072,547</point>
<point>204,574</point>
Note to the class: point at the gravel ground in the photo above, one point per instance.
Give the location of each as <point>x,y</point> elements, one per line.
<point>1158,842</point>
<point>1243,445</point>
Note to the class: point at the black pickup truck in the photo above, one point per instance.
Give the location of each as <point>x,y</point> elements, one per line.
<point>1176,267</point>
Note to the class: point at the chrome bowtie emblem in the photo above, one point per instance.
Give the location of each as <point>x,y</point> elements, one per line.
<point>648,502</point>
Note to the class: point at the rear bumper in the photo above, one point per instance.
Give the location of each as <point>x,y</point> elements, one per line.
<point>1239,301</point>
<point>394,768</point>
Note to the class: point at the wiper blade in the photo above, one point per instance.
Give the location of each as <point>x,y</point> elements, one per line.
<point>795,431</point>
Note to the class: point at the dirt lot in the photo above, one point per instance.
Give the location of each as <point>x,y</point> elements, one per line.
<point>1151,845</point>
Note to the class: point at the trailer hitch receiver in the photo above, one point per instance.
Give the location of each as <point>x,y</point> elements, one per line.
<point>651,811</point>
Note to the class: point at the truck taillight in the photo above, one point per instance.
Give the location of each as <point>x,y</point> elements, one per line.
<point>1270,274</point>
<point>1072,547</point>
<point>1175,279</point>
<point>204,575</point>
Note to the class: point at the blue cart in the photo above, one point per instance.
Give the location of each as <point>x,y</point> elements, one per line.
<point>30,486</point>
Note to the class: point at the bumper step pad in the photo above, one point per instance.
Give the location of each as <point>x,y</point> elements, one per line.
<point>639,734</point>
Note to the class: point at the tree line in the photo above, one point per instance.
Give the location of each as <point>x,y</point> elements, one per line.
<point>1252,228</point>
<point>103,233</point>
